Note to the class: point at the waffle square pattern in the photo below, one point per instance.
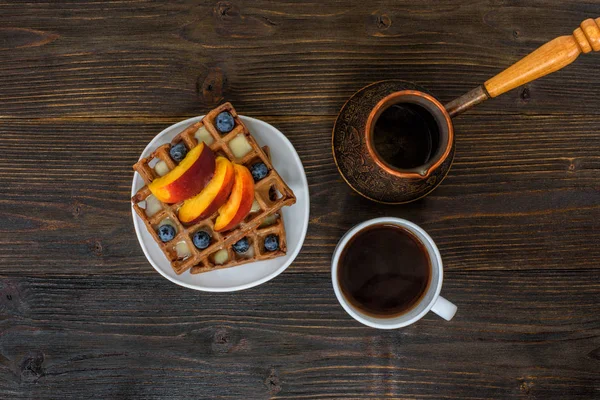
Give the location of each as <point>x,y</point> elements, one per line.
<point>263,222</point>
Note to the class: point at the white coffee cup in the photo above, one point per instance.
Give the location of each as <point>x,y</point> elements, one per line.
<point>430,301</point>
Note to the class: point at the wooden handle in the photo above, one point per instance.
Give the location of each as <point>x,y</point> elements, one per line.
<point>551,57</point>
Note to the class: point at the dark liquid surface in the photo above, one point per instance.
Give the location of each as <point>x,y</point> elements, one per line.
<point>406,135</point>
<point>384,270</point>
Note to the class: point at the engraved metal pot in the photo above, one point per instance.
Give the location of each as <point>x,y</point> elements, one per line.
<point>368,173</point>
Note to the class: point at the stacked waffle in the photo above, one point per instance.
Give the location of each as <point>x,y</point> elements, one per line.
<point>212,198</point>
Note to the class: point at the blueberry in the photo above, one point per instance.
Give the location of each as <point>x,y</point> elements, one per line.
<point>241,246</point>
<point>259,171</point>
<point>178,152</point>
<point>166,233</point>
<point>272,194</point>
<point>225,122</point>
<point>201,240</point>
<point>271,243</point>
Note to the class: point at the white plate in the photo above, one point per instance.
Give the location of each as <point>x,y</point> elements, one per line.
<point>288,164</point>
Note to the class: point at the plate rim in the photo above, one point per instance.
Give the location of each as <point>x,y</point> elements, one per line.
<point>292,258</point>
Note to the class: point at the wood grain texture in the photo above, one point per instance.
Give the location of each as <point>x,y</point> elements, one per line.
<point>85,85</point>
<point>510,184</point>
<point>276,58</point>
<point>292,339</point>
<point>551,57</point>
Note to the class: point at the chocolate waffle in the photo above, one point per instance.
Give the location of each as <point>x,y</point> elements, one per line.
<point>270,194</point>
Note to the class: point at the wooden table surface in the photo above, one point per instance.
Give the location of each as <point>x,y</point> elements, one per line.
<point>85,85</point>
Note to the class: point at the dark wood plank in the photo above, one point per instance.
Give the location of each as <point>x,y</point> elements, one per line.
<point>291,339</point>
<point>511,186</point>
<point>85,85</point>
<point>107,58</point>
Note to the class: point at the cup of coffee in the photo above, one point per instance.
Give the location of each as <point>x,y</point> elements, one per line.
<point>387,273</point>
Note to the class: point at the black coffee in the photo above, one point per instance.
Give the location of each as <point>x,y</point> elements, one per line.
<point>406,135</point>
<point>384,270</point>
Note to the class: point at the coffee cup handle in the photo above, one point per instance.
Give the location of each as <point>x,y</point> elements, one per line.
<point>444,308</point>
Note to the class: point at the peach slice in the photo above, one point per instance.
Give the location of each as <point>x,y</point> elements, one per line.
<point>240,201</point>
<point>212,196</point>
<point>188,178</point>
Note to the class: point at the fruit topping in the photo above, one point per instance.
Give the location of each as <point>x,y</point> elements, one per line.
<point>188,178</point>
<point>161,168</point>
<point>166,232</point>
<point>178,152</point>
<point>221,257</point>
<point>269,220</point>
<point>152,206</point>
<point>273,195</point>
<point>213,196</point>
<point>240,146</point>
<point>202,135</point>
<point>241,246</point>
<point>240,201</point>
<point>182,250</point>
<point>201,240</point>
<point>224,122</point>
<point>255,207</point>
<point>259,171</point>
<point>271,243</point>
